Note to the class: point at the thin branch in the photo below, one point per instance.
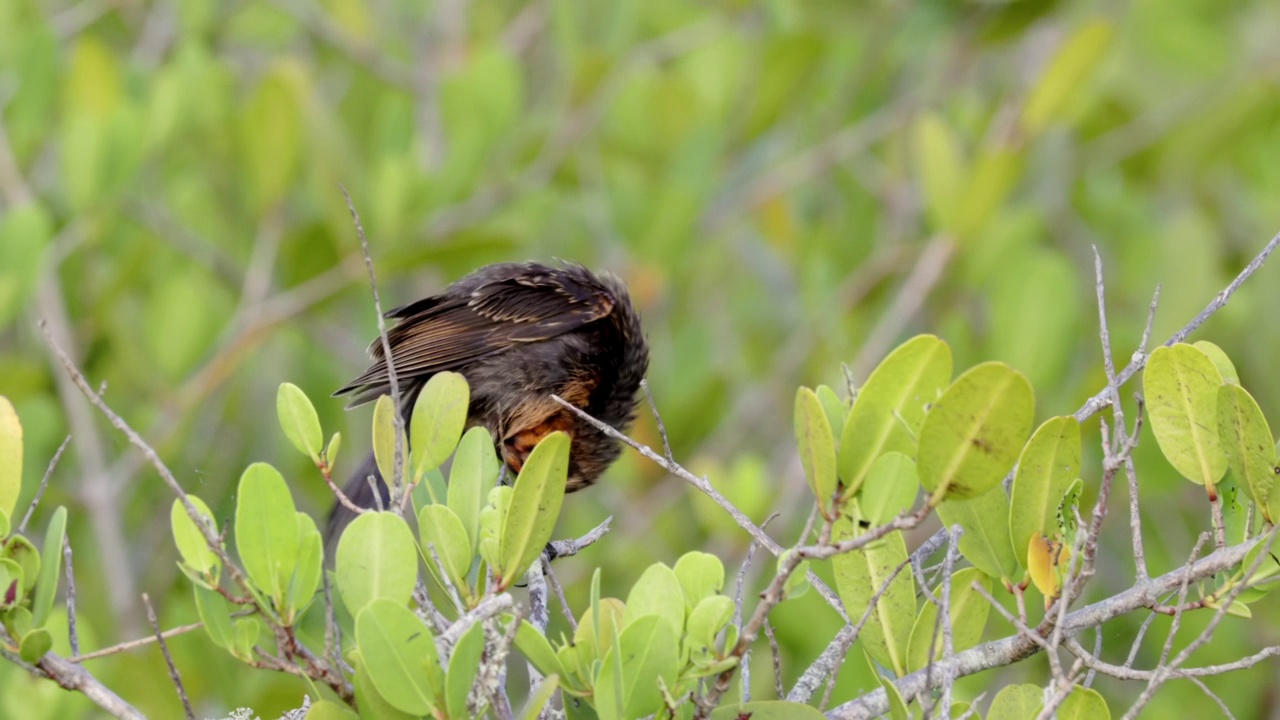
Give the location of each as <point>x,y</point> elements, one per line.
<point>776,654</point>
<point>71,676</point>
<point>168,659</point>
<point>573,546</point>
<point>657,419</point>
<point>1017,647</point>
<point>706,488</point>
<point>1139,361</point>
<point>73,636</point>
<point>554,584</point>
<point>393,380</point>
<point>44,483</point>
<point>1117,410</point>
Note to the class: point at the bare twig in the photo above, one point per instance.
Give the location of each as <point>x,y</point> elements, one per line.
<point>73,636</point>
<point>71,676</point>
<point>1012,649</point>
<point>168,659</point>
<point>392,379</point>
<point>554,584</point>
<point>701,484</point>
<point>44,483</point>
<point>776,654</point>
<point>573,546</point>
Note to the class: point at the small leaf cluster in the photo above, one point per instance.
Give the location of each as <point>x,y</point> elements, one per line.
<point>626,657</point>
<point>28,576</point>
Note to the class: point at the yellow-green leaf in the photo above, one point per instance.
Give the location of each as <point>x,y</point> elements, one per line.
<point>985,541</point>
<point>1181,384</point>
<point>10,457</point>
<point>439,415</point>
<point>860,575</point>
<point>1066,74</point>
<point>890,408</point>
<point>535,506</point>
<point>817,447</point>
<point>1251,451</point>
<point>266,529</point>
<point>1048,465</point>
<point>973,434</point>
<point>299,421</point>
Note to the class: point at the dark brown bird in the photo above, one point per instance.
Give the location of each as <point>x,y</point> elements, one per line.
<point>518,332</point>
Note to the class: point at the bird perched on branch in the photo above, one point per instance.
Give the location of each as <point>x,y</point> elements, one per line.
<point>519,333</point>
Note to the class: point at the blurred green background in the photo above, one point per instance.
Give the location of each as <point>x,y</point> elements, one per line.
<point>786,186</point>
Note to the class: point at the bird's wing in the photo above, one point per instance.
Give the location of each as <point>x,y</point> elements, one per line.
<point>446,333</point>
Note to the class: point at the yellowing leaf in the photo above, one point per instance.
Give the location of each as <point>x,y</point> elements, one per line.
<point>1045,560</point>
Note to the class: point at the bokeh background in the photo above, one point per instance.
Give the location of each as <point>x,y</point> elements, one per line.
<point>786,186</point>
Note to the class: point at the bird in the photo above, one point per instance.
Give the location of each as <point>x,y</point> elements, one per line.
<point>519,332</point>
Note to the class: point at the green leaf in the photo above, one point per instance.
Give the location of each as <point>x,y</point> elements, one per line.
<point>266,529</point>
<point>767,710</point>
<point>940,168</point>
<point>10,457</point>
<point>1084,704</point>
<point>216,616</point>
<point>539,699</point>
<point>647,650</point>
<point>474,470</point>
<point>1066,75</point>
<point>701,575</point>
<point>400,653</point>
<point>897,706</point>
<point>535,506</point>
<point>1049,463</point>
<point>190,540</point>
<point>968,612</point>
<point>376,559</point>
<point>537,650</point>
<point>797,583</point>
<point>1251,453</point>
<point>299,421</point>
<point>20,550</point>
<point>835,408</point>
<point>707,620</point>
<point>438,527</point>
<point>973,434</point>
<point>34,645</point>
<point>329,710</point>
<point>10,584</point>
<point>331,452</point>
<point>890,409</point>
<point>463,664</point>
<point>384,440</point>
<point>657,592</point>
<point>1016,702</point>
<point>860,575</point>
<point>4,524</point>
<point>372,704</point>
<point>1181,386</point>
<point>1067,507</point>
<point>306,575</point>
<point>492,518</point>
<point>890,488</point>
<point>50,567</point>
<point>596,631</point>
<point>985,541</point>
<point>1219,360</point>
<point>245,632</point>
<point>439,415</point>
<point>817,447</point>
